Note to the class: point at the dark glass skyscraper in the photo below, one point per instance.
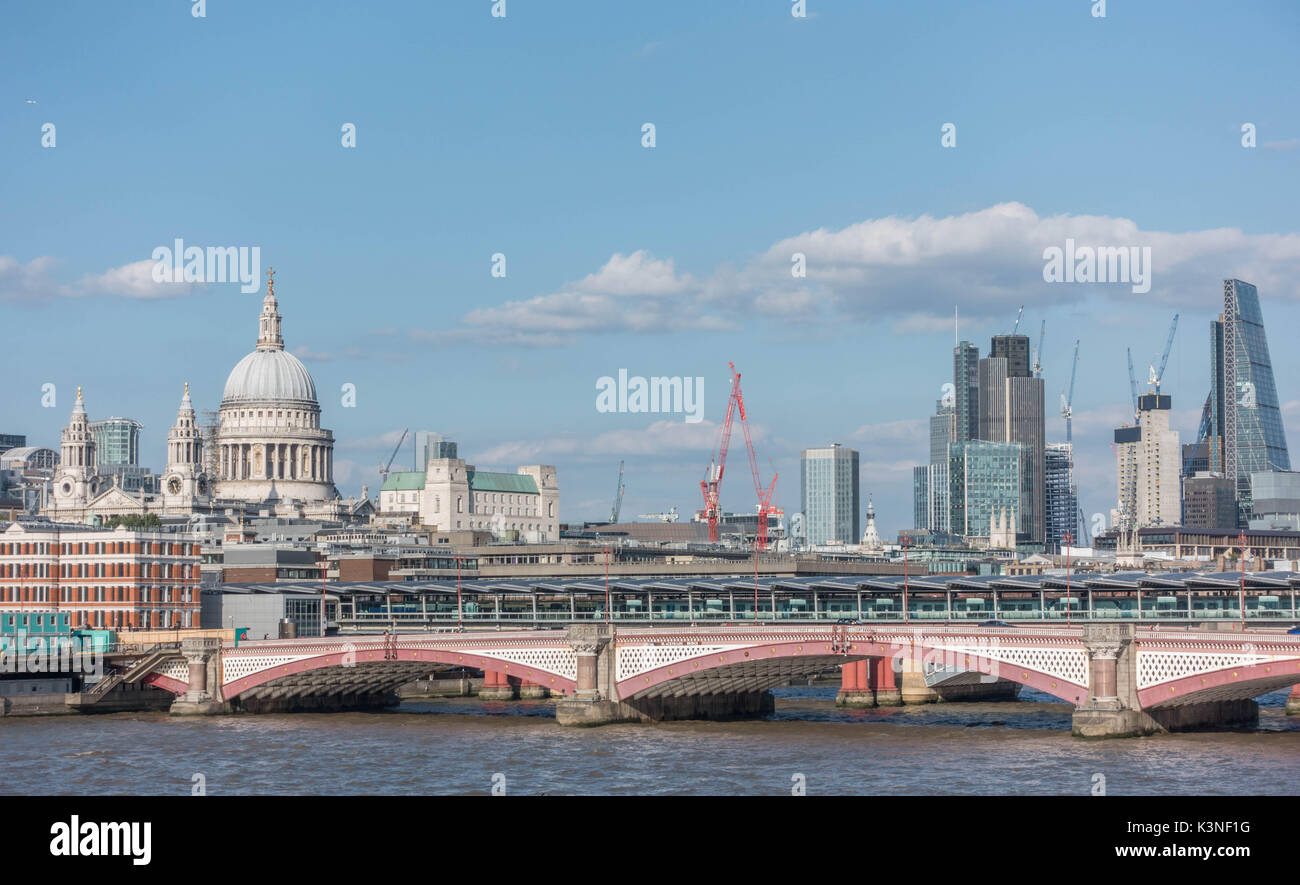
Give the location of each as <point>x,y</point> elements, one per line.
<point>965,377</point>
<point>1243,422</point>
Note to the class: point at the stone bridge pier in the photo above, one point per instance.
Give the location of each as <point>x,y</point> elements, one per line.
<point>596,699</point>
<point>203,655</point>
<point>1113,709</point>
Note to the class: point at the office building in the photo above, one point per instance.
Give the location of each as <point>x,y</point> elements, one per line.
<point>11,441</point>
<point>1275,500</point>
<point>1148,468</point>
<point>985,487</point>
<point>1209,501</point>
<point>829,489</point>
<point>1015,350</point>
<point>431,445</point>
<point>1242,421</point>
<point>103,578</point>
<point>117,442</point>
<point>965,375</point>
<point>1011,410</point>
<point>1061,496</point>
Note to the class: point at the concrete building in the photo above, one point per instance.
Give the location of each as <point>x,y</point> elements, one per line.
<point>1158,465</point>
<point>1209,501</point>
<point>118,579</point>
<point>265,611</point>
<point>1275,500</point>
<point>830,496</point>
<point>1124,515</point>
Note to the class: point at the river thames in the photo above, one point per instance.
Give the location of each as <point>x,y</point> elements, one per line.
<point>464,746</point>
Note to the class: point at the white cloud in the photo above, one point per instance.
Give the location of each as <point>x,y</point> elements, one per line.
<point>909,270</point>
<point>34,281</point>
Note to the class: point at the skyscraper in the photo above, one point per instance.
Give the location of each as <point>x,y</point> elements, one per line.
<point>1242,421</point>
<point>1061,495</point>
<point>1015,350</point>
<point>829,486</point>
<point>965,379</point>
<point>1011,410</point>
<point>985,483</point>
<point>1148,468</point>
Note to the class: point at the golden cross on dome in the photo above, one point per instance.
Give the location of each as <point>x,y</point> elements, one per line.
<point>78,391</point>
<point>187,388</point>
<point>270,281</point>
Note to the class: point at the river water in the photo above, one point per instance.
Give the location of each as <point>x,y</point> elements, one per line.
<point>464,746</point>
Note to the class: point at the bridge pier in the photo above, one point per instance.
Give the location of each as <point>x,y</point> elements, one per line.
<point>595,699</point>
<point>913,689</point>
<point>1112,708</point>
<point>496,687</point>
<point>884,683</point>
<point>855,685</point>
<point>529,690</point>
<point>204,657</point>
<point>1293,701</point>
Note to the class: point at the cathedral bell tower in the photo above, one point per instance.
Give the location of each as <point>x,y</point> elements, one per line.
<point>77,479</point>
<point>185,482</point>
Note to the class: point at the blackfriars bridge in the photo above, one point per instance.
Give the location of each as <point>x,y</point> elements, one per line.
<point>1122,679</point>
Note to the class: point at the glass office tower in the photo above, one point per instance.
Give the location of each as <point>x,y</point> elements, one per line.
<point>117,442</point>
<point>1243,425</point>
<point>984,478</point>
<point>829,484</point>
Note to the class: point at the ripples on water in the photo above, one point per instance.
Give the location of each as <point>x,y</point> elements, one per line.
<point>456,746</point>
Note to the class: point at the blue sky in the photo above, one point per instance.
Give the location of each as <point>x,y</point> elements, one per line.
<point>522,135</point>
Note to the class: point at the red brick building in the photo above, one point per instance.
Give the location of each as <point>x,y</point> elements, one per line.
<point>109,578</point>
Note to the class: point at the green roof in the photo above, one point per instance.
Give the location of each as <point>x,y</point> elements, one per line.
<point>482,481</point>
<point>404,481</point>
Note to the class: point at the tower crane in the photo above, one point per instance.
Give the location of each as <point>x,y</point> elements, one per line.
<point>1164,358</point>
<point>1067,403</point>
<point>384,468</point>
<point>1016,327</point>
<point>1133,385</point>
<point>1038,352</point>
<point>709,486</point>
<point>618,498</point>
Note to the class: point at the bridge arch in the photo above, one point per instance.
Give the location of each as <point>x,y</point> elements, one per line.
<point>762,665</point>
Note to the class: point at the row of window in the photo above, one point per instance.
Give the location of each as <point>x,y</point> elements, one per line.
<point>96,594</point>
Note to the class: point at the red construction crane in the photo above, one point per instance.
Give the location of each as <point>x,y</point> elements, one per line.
<point>709,486</point>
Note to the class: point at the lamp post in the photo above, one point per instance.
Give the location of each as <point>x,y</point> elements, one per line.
<point>608,614</point>
<point>1069,539</point>
<point>1243,581</point>
<point>460,618</point>
<point>906,619</point>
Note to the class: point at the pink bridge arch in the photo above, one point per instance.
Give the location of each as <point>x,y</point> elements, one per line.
<point>822,650</point>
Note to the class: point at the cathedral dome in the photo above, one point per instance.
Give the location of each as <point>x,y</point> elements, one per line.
<point>269,376</point>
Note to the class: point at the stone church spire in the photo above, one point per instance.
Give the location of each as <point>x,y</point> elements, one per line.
<point>78,443</point>
<point>269,336</point>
